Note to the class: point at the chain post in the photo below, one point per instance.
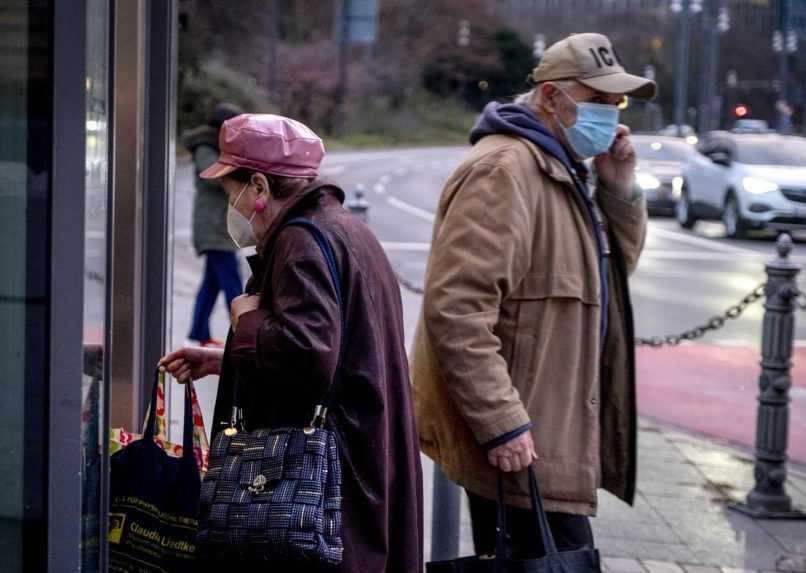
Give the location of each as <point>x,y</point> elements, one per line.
<point>768,499</point>
<point>358,205</point>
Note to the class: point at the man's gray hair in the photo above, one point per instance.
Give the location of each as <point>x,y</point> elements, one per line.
<point>532,98</point>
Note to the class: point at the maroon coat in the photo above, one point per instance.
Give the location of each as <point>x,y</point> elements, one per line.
<point>286,353</point>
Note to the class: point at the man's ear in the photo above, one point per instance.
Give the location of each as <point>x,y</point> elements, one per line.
<point>548,97</point>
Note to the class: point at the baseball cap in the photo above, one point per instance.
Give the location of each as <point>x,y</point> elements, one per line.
<point>591,60</point>
<point>267,143</point>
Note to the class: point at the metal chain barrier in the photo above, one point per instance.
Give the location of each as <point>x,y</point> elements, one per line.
<point>409,286</point>
<point>715,323</point>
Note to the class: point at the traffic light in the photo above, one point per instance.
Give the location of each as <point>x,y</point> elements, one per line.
<point>741,110</point>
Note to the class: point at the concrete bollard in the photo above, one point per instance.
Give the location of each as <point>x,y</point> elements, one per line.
<point>445,507</point>
<point>358,205</point>
<point>768,499</point>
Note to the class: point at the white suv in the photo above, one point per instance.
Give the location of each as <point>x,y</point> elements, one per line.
<point>748,180</point>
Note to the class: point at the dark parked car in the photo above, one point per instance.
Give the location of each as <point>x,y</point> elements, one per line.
<point>659,170</point>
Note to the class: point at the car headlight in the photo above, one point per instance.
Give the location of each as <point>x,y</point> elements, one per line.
<point>647,181</point>
<point>677,187</point>
<point>758,186</point>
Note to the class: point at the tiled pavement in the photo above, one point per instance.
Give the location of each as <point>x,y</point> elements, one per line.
<point>681,521</point>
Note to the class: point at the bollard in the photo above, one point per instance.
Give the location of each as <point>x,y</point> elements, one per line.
<point>769,499</point>
<point>358,205</point>
<point>445,507</point>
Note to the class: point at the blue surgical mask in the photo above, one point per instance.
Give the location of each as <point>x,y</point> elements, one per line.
<point>594,130</point>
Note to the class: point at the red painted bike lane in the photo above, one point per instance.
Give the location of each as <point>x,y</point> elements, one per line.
<point>713,389</point>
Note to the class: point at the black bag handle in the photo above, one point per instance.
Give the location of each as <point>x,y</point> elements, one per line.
<point>187,434</point>
<point>320,412</point>
<point>539,514</point>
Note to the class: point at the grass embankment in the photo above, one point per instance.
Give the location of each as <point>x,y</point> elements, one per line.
<point>424,121</point>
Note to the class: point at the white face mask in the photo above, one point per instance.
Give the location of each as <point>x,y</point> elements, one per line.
<point>238,226</point>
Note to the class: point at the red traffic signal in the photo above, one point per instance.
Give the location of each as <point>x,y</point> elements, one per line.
<point>741,110</point>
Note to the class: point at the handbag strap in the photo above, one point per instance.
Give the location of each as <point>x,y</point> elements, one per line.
<point>320,412</point>
<point>538,513</point>
<point>151,422</point>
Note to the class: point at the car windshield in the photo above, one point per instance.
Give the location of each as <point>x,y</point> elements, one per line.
<point>657,150</point>
<point>791,151</point>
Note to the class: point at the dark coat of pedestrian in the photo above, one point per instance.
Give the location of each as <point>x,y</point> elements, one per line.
<point>210,237</point>
<point>287,333</point>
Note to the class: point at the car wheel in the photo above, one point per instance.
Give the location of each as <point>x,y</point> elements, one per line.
<point>684,210</point>
<point>735,225</point>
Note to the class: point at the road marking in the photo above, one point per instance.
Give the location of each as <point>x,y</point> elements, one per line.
<point>699,241</point>
<point>385,179</point>
<point>687,274</point>
<point>403,246</point>
<point>738,342</point>
<point>411,209</point>
<point>401,171</point>
<point>334,169</point>
<point>681,255</point>
<point>712,256</point>
<point>379,188</point>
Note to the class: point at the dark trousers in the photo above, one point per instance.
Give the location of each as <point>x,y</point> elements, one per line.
<point>221,273</point>
<point>570,531</point>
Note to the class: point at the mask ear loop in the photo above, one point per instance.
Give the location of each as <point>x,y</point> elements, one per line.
<point>238,198</point>
<point>576,106</point>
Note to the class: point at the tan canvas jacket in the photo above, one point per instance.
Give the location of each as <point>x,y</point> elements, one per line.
<point>510,329</point>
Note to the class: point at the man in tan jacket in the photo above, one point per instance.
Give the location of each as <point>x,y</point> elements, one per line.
<point>524,351</point>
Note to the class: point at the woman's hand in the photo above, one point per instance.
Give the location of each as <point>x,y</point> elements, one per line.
<point>242,304</point>
<point>192,363</point>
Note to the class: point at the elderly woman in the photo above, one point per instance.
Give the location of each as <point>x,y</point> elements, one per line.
<point>286,335</point>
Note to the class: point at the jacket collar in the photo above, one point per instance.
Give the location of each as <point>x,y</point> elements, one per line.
<point>549,164</point>
<point>303,199</point>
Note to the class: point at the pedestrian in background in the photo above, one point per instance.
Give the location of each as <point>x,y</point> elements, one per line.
<point>524,350</point>
<point>210,237</point>
<point>287,332</point>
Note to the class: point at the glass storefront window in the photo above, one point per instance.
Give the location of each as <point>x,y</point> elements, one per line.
<point>95,270</point>
<point>25,165</point>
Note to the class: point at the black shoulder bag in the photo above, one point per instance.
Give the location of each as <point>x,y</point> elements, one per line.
<point>274,495</point>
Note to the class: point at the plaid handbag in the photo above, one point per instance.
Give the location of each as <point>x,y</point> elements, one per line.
<point>275,494</point>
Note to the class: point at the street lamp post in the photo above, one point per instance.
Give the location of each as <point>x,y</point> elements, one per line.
<point>784,43</point>
<point>685,8</point>
<point>716,21</point>
<point>650,107</point>
<point>538,46</point>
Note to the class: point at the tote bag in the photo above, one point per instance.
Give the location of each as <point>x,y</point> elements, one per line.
<point>578,561</point>
<point>153,516</point>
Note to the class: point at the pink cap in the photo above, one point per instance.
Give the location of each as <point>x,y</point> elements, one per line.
<point>267,143</point>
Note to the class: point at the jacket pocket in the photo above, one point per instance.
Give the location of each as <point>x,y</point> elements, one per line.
<point>540,286</point>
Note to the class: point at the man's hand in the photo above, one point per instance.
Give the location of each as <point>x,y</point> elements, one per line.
<point>616,167</point>
<point>514,455</point>
<point>192,363</point>
<point>242,304</point>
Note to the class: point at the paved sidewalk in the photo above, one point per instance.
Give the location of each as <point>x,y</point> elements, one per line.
<point>681,519</point>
